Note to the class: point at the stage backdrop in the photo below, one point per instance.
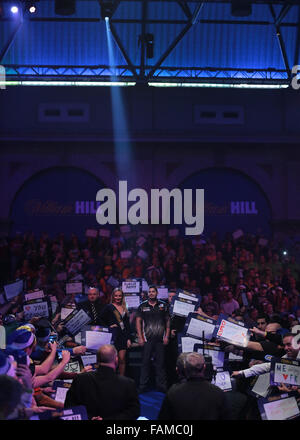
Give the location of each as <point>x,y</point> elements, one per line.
<point>61,199</point>
<point>232,201</point>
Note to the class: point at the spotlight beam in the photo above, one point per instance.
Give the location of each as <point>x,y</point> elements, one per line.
<point>123,51</point>
<point>11,38</point>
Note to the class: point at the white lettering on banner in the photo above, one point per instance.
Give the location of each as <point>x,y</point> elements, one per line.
<point>245,207</point>
<point>138,212</point>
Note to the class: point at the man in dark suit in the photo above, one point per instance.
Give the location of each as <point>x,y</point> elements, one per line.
<point>196,398</point>
<point>106,395</point>
<point>93,306</point>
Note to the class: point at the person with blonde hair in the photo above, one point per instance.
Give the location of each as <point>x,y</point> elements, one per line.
<point>115,315</point>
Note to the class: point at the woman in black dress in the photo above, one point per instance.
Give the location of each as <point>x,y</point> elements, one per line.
<point>116,316</point>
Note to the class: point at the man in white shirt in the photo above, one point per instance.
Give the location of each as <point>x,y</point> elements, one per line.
<point>255,370</point>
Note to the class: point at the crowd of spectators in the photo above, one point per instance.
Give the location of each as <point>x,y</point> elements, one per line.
<point>250,279</point>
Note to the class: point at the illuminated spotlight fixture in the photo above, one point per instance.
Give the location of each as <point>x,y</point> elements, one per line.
<point>65,7</point>
<point>30,7</point>
<point>107,9</point>
<point>241,8</point>
<point>14,9</point>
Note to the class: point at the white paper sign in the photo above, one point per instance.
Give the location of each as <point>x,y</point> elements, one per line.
<point>113,281</point>
<point>140,241</point>
<point>132,301</point>
<point>163,293</point>
<point>187,296</point>
<point>95,340</point>
<point>40,309</point>
<point>142,254</point>
<point>72,367</point>
<point>61,393</point>
<point>217,356</point>
<point>183,308</point>
<point>145,286</point>
<point>262,384</point>
<point>223,381</point>
<point>287,373</point>
<point>124,229</point>
<point>131,286</point>
<point>237,234</point>
<point>75,323</point>
<point>234,333</point>
<point>34,295</point>
<point>187,344</point>
<point>75,287</point>
<point>14,289</point>
<point>65,311</point>
<point>89,359</point>
<point>281,409</point>
<point>126,254</point>
<point>104,233</point>
<point>235,357</point>
<point>197,326</point>
<point>91,233</point>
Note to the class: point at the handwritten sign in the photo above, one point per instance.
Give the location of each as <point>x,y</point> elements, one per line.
<point>286,371</point>
<point>34,295</point>
<point>74,287</point>
<point>282,407</point>
<point>232,331</point>
<point>223,381</point>
<point>132,286</point>
<point>36,307</point>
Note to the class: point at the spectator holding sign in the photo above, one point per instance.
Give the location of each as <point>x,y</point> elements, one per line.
<point>290,353</point>
<point>116,316</point>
